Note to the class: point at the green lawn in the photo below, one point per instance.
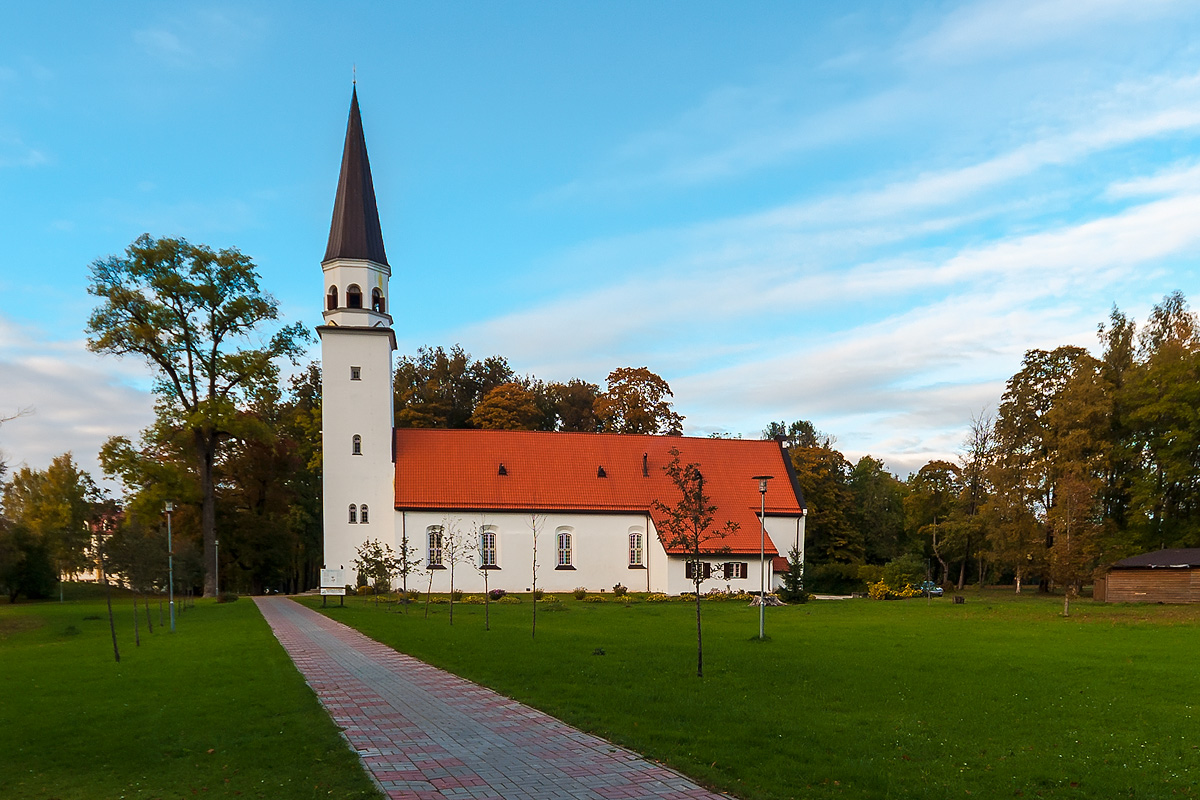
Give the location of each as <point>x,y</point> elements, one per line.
<point>214,710</point>
<point>1000,697</point>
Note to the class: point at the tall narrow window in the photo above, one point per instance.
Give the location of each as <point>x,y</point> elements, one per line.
<point>353,513</point>
<point>377,302</point>
<point>564,549</point>
<point>487,549</point>
<point>356,373</point>
<point>356,445</point>
<point>331,300</point>
<point>353,297</point>
<point>635,550</point>
<point>435,546</point>
<point>362,512</point>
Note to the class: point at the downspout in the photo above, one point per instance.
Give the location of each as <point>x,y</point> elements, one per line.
<point>647,552</point>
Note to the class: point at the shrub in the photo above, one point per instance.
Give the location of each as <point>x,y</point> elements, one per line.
<point>620,591</point>
<point>362,590</point>
<point>496,594</point>
<point>227,597</point>
<point>908,568</point>
<point>538,594</point>
<point>510,600</point>
<point>881,591</point>
<point>456,595</point>
<point>657,597</point>
<point>413,595</point>
<point>596,598</point>
<point>833,578</point>
<point>580,592</point>
<point>473,600</point>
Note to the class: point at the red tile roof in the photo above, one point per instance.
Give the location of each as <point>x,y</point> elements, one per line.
<point>460,469</point>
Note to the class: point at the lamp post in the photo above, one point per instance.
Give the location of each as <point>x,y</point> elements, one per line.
<point>217,568</point>
<point>762,553</point>
<point>169,507</point>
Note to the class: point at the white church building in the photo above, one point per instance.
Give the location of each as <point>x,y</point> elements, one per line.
<point>476,501</point>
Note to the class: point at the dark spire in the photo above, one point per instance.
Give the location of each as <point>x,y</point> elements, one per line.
<point>355,231</point>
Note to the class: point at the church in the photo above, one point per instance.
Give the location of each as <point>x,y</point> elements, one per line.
<point>484,503</point>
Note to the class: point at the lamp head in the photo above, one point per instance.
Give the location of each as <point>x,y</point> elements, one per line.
<point>762,482</point>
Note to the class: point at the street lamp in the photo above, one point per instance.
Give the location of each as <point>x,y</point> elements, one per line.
<point>168,507</point>
<point>762,552</point>
<point>217,567</point>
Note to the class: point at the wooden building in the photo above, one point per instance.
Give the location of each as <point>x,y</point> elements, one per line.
<point>1164,576</point>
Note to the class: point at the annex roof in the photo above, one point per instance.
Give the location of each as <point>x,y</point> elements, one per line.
<point>1178,558</point>
<point>484,470</point>
<point>355,232</point>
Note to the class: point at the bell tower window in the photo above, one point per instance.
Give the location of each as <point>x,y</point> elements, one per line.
<point>353,297</point>
<point>377,301</point>
<point>331,300</point>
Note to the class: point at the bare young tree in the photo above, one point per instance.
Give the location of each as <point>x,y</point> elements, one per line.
<point>406,564</point>
<point>688,525</point>
<point>455,549</point>
<point>484,565</point>
<point>536,523</point>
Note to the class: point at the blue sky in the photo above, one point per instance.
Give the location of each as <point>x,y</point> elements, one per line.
<point>861,214</point>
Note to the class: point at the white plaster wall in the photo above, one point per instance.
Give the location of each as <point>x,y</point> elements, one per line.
<point>362,407</point>
<point>600,558</point>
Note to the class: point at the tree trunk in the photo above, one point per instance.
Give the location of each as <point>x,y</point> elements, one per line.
<point>112,625</point>
<point>699,636</point>
<point>149,619</point>
<point>137,638</point>
<point>205,451</point>
<point>1018,578</point>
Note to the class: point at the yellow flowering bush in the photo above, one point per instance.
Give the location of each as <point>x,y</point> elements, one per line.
<point>657,597</point>
<point>881,591</point>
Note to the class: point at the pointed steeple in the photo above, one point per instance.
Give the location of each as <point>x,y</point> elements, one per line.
<point>355,232</point>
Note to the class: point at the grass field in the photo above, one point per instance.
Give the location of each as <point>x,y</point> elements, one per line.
<point>999,697</point>
<point>214,710</point>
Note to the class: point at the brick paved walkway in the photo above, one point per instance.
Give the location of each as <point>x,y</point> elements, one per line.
<point>428,735</point>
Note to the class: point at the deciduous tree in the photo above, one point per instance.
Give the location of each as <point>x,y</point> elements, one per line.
<point>687,525</point>
<point>637,401</point>
<point>189,312</point>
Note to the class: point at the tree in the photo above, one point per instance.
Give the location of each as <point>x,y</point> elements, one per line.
<point>574,404</point>
<point>440,389</point>
<point>933,492</point>
<point>406,565</point>
<point>455,550</point>
<point>793,579</point>
<point>687,525</point>
<point>184,308</point>
<point>375,561</point>
<point>55,507</point>
<point>1075,524</point>
<point>536,523</point>
<point>636,401</point>
<point>509,407</point>
<point>484,567</point>
<point>878,509</point>
<point>836,546</point>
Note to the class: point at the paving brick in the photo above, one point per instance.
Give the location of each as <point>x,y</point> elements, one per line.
<point>425,734</point>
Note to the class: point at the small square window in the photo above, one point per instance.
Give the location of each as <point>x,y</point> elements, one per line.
<point>356,373</point>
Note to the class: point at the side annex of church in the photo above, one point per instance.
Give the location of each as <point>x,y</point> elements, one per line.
<point>481,501</point>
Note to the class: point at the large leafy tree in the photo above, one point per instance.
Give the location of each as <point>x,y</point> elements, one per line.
<point>638,401</point>
<point>52,509</point>
<point>437,388</point>
<point>190,312</point>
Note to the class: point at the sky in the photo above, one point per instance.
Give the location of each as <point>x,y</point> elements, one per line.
<point>861,214</point>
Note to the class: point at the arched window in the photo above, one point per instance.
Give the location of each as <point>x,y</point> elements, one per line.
<point>362,511</point>
<point>331,301</point>
<point>635,550</point>
<point>564,549</point>
<point>377,302</point>
<point>353,513</point>
<point>487,548</point>
<point>353,297</point>
<point>356,445</point>
<point>435,546</point>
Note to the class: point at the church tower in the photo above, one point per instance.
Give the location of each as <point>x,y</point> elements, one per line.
<point>357,341</point>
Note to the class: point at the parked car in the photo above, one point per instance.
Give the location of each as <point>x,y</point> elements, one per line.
<point>930,588</point>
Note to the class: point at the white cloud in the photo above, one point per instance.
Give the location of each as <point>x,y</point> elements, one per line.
<point>983,29</point>
<point>78,400</point>
<point>204,38</point>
